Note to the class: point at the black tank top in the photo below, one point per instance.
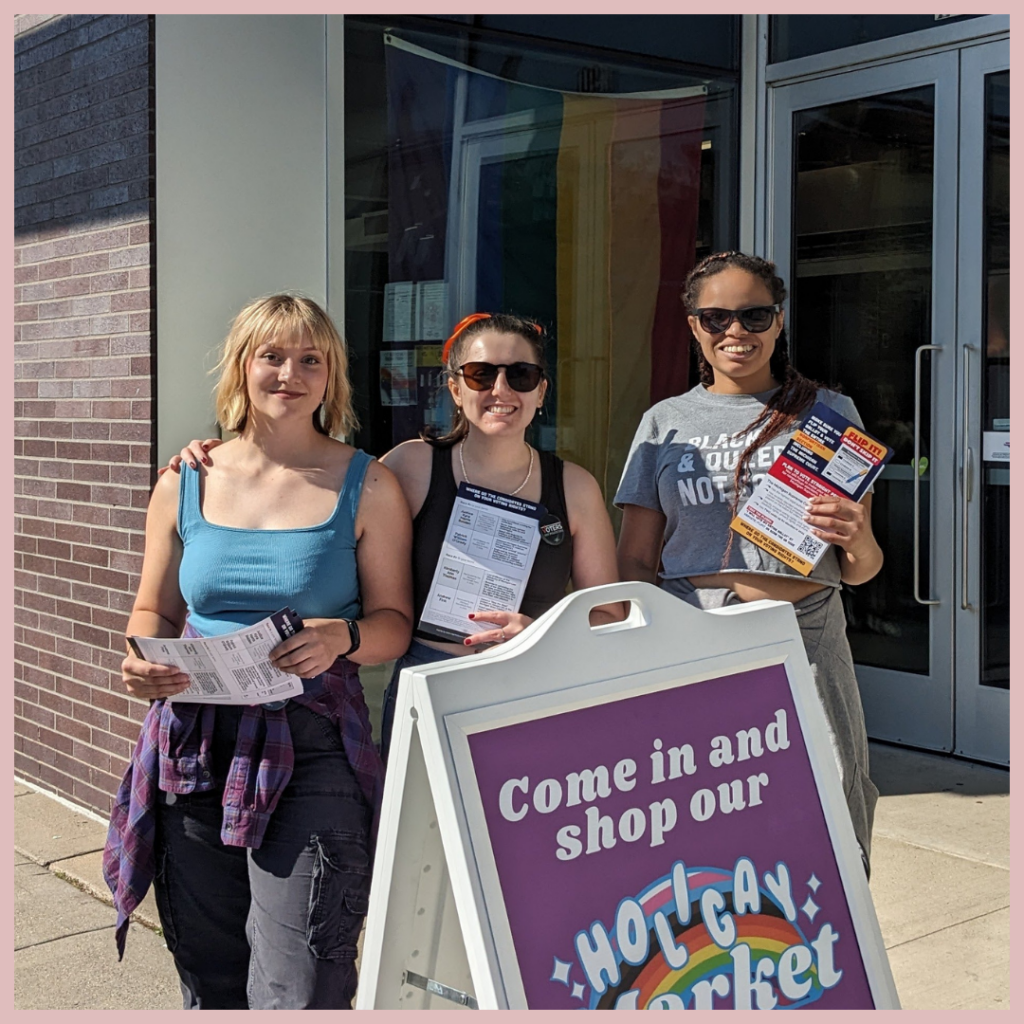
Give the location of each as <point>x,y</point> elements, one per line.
<point>552,568</point>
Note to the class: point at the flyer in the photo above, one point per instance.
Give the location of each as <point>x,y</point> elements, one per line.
<point>485,560</point>
<point>398,377</point>
<point>995,445</point>
<point>828,455</point>
<point>232,668</point>
<point>399,310</point>
<point>431,310</point>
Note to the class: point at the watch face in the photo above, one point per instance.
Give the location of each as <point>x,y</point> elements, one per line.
<point>551,530</point>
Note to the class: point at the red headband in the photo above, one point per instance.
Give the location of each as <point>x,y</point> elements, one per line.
<point>459,328</point>
<point>464,323</point>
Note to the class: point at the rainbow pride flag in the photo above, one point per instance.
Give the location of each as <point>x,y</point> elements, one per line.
<point>578,210</point>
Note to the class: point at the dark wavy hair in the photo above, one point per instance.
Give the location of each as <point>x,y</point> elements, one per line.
<point>456,345</point>
<point>796,393</point>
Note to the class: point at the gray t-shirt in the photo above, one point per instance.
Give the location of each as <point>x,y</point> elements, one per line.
<point>682,463</point>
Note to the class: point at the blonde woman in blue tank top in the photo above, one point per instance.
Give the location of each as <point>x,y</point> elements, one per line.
<point>256,823</point>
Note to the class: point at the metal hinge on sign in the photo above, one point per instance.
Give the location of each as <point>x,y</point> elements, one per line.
<point>435,988</point>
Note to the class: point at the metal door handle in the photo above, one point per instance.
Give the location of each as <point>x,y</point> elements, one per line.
<point>966,481</point>
<point>916,474</point>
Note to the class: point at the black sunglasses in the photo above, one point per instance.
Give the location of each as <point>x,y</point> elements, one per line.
<point>752,318</point>
<point>520,376</point>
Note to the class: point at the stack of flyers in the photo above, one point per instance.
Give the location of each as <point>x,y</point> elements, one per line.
<point>828,455</point>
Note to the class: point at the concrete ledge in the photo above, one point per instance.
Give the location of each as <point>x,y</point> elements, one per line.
<point>86,873</point>
<point>65,956</point>
<point>46,831</point>
<point>70,845</point>
<point>45,909</point>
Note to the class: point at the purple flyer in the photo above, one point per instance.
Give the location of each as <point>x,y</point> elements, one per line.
<point>669,850</point>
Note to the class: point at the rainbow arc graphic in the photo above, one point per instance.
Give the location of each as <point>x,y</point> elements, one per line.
<point>767,933</point>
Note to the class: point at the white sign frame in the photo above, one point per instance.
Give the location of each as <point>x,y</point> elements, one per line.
<point>431,773</point>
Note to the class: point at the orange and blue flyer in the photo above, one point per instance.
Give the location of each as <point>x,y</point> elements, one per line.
<point>828,455</point>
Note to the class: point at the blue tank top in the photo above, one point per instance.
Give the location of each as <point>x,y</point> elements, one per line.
<point>232,577</point>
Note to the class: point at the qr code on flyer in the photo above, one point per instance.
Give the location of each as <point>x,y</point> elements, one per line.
<point>810,547</point>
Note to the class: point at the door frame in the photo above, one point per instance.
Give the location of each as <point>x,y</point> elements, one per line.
<point>981,712</point>
<point>756,145</point>
<point>902,707</point>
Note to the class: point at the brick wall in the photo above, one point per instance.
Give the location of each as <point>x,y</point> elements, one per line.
<point>84,425</point>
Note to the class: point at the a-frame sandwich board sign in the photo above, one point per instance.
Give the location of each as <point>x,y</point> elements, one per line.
<point>646,814</point>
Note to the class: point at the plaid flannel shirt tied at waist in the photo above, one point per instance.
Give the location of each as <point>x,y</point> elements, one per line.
<point>174,754</point>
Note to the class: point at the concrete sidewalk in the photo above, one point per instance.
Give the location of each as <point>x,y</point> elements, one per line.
<point>940,882</point>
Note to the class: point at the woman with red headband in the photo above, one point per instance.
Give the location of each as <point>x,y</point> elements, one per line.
<point>497,375</point>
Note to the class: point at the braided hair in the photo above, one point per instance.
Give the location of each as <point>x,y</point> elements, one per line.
<point>796,393</point>
<point>452,356</point>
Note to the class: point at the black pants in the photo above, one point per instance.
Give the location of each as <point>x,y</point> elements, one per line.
<point>273,928</point>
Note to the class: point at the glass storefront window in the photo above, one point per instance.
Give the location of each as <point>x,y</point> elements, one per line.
<point>861,298</point>
<point>799,35</point>
<point>493,174</point>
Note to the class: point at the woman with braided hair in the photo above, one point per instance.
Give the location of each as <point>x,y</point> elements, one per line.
<point>697,456</point>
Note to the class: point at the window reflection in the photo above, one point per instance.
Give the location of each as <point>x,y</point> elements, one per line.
<point>544,187</point>
<point>861,305</point>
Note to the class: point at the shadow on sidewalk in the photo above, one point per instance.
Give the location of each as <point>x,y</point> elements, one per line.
<point>900,771</point>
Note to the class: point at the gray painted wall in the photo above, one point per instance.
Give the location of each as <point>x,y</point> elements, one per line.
<point>241,190</point>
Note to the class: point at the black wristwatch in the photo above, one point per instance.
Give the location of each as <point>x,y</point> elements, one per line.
<point>353,635</point>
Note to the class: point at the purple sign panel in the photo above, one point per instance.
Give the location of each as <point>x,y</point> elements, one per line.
<point>669,851</point>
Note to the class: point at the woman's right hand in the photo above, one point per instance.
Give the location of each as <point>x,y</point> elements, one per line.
<point>150,681</point>
<point>193,453</point>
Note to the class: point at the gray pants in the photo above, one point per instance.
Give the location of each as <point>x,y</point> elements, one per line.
<point>273,928</point>
<point>822,624</point>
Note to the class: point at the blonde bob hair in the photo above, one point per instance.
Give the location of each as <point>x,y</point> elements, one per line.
<point>283,316</point>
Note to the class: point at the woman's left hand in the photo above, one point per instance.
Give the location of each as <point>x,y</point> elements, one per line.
<point>312,650</point>
<point>507,625</point>
<point>840,521</point>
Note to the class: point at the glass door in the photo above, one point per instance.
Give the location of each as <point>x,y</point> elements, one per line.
<point>983,506</point>
<point>864,218</point>
<point>890,209</point>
